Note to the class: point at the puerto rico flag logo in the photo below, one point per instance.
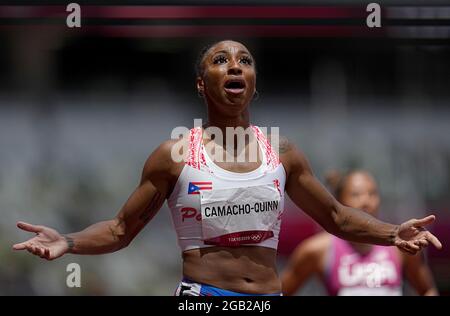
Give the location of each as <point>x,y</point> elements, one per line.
<point>196,187</point>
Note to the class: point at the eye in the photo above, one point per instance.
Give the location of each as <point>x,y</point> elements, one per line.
<point>219,59</point>
<point>246,60</point>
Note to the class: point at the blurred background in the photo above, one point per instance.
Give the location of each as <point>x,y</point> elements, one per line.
<point>81,110</point>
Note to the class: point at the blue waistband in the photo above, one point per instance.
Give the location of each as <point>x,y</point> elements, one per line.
<point>209,290</point>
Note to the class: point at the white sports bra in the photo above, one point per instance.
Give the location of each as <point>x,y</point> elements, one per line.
<point>212,206</point>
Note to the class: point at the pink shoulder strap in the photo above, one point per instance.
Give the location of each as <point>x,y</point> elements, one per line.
<point>195,157</point>
<point>272,157</point>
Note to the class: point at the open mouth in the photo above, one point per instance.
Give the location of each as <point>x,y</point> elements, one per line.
<point>235,86</point>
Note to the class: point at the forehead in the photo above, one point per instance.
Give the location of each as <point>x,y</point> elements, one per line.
<point>361,180</point>
<point>228,46</point>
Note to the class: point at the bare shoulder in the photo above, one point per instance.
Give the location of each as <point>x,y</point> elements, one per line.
<point>318,243</point>
<point>292,158</point>
<point>282,142</point>
<point>167,159</point>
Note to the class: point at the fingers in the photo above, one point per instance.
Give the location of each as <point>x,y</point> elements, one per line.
<point>42,252</point>
<point>424,221</point>
<point>404,249</point>
<point>35,249</point>
<point>31,249</point>
<point>29,227</point>
<point>21,246</point>
<point>422,243</point>
<point>47,254</point>
<point>412,247</point>
<point>433,240</point>
<point>409,247</point>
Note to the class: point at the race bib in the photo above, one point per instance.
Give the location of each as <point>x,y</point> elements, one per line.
<point>237,216</point>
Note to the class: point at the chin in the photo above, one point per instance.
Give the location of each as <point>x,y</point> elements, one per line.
<point>233,109</point>
<point>234,101</point>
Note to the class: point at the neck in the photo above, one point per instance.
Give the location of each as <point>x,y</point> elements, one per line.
<point>218,120</point>
<point>222,122</point>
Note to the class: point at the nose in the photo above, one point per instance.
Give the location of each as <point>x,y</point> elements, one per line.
<point>234,68</point>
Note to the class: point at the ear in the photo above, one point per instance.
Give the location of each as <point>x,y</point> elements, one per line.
<point>200,85</point>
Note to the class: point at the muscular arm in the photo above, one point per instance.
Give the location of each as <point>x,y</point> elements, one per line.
<point>108,236</point>
<point>419,275</point>
<point>346,222</point>
<point>140,208</point>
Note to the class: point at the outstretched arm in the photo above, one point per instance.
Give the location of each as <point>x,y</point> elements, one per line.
<point>346,222</point>
<point>117,233</point>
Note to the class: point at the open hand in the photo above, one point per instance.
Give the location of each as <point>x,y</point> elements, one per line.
<point>47,244</point>
<point>413,237</point>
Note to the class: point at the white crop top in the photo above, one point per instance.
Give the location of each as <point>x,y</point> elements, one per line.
<point>212,206</point>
